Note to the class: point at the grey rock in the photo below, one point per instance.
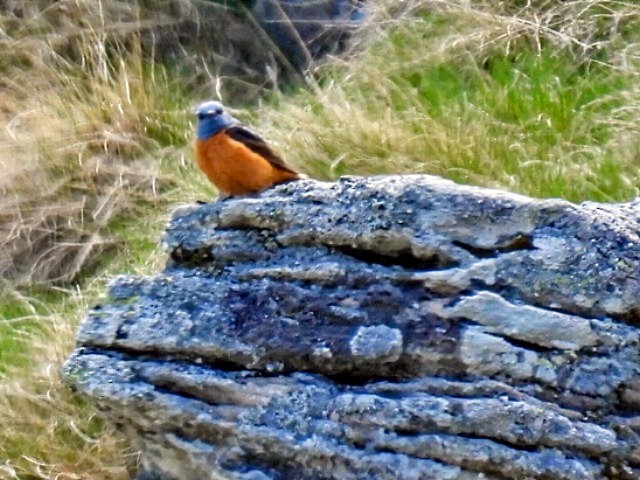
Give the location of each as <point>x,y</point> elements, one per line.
<point>523,322</point>
<point>399,327</point>
<point>377,343</point>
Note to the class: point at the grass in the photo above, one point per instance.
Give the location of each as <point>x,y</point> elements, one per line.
<point>540,120</point>
<point>47,432</point>
<point>537,97</point>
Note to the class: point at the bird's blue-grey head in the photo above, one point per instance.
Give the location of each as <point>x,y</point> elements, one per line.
<point>212,118</point>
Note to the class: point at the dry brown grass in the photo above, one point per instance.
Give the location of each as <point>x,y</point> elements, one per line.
<point>47,432</point>
<point>72,146</point>
<point>584,26</point>
<point>89,112</point>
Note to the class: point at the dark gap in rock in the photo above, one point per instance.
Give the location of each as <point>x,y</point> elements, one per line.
<point>405,259</point>
<point>617,469</point>
<point>403,370</point>
<point>187,257</point>
<point>631,317</point>
<point>424,430</point>
<point>355,379</point>
<point>516,342</point>
<point>398,371</point>
<point>121,335</point>
<point>587,406</point>
<point>156,356</point>
<point>519,242</point>
<point>465,386</point>
<point>573,310</point>
<point>476,251</point>
<point>628,400</point>
<point>166,387</point>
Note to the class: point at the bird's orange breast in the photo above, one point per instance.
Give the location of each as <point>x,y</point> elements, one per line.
<point>234,168</point>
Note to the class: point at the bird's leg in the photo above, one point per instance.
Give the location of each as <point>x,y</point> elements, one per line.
<point>222,196</point>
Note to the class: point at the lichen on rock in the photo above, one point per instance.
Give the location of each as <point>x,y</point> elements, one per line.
<point>400,327</point>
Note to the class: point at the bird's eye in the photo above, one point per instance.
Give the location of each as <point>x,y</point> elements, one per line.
<point>218,111</point>
<point>201,116</point>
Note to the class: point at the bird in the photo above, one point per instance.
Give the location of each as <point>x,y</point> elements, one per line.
<point>234,158</point>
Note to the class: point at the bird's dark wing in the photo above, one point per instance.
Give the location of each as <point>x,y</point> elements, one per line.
<point>252,140</point>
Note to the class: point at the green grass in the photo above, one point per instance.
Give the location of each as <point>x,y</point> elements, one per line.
<point>541,100</point>
<point>47,430</point>
<point>17,323</point>
<point>537,121</point>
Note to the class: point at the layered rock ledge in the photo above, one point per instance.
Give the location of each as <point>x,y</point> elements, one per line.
<point>400,327</point>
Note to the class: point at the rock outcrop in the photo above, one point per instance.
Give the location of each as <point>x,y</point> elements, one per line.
<point>399,327</point>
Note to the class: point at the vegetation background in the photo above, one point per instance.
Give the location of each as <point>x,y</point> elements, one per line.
<point>539,97</point>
